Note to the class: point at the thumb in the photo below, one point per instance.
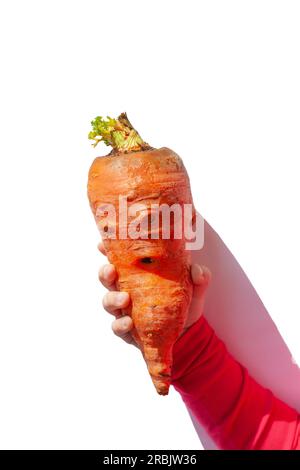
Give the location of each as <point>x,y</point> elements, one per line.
<point>201,277</point>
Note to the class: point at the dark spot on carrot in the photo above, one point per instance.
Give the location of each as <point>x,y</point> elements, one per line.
<point>147,260</point>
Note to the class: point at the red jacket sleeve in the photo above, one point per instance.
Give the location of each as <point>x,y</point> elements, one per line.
<point>235,410</point>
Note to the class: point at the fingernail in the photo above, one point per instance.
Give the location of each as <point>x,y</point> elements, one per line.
<point>200,270</point>
<point>198,273</point>
<point>121,297</point>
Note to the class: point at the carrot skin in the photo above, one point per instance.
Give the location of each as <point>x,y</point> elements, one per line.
<point>155,272</point>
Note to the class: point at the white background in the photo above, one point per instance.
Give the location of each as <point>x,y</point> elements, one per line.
<point>218,82</point>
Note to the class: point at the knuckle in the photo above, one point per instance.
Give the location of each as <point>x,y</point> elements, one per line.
<point>115,328</point>
<point>102,272</point>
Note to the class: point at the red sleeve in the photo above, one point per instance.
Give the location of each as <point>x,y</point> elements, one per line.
<point>235,410</point>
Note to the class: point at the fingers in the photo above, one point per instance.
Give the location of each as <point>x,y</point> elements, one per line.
<point>114,301</point>
<point>122,327</point>
<point>108,276</point>
<point>101,248</point>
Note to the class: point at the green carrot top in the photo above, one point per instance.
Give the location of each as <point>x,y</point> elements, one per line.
<point>117,133</point>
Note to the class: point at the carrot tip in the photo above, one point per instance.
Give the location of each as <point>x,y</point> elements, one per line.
<point>162,385</point>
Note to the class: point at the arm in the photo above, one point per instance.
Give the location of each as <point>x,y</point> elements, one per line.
<point>236,411</point>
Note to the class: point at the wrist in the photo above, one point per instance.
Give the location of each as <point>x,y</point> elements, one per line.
<point>189,324</point>
<point>189,344</point>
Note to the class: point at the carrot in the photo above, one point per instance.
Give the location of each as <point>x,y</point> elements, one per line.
<point>154,271</point>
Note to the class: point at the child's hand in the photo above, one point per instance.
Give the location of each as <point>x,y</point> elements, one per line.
<point>113,301</point>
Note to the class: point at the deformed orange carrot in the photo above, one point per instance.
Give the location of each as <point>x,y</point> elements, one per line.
<point>154,271</point>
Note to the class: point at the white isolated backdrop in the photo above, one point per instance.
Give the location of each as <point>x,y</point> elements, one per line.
<point>218,82</point>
